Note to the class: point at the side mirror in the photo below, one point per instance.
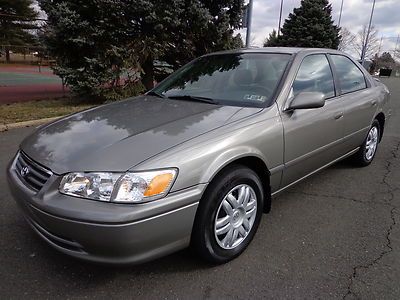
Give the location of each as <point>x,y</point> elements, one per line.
<point>306,100</point>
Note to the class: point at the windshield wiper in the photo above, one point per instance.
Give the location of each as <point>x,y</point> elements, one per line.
<point>194,98</point>
<point>153,93</point>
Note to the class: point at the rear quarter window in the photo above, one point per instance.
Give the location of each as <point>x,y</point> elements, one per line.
<point>350,77</point>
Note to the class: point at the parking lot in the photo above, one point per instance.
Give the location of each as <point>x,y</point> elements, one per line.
<point>335,235</point>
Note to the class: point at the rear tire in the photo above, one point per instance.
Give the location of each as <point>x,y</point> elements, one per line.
<point>228,215</point>
<point>367,151</point>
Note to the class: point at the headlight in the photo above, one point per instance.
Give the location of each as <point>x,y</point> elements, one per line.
<point>130,187</point>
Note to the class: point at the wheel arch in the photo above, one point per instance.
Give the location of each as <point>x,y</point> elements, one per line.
<point>381,119</point>
<point>255,163</point>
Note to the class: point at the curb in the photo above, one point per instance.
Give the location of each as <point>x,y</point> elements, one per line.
<point>6,127</point>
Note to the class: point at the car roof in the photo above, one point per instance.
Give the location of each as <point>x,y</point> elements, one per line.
<point>284,50</point>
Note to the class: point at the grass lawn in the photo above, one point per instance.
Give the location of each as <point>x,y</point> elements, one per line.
<point>32,110</point>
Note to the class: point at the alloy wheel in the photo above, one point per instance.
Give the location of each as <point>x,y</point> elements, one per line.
<point>235,216</point>
<point>372,143</point>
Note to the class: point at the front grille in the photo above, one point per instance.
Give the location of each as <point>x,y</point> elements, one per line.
<point>32,174</point>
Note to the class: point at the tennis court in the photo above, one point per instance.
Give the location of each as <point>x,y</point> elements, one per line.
<point>25,83</point>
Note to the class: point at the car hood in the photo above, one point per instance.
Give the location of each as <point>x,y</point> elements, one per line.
<point>118,136</point>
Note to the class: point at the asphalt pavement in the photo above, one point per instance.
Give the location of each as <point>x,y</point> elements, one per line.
<point>335,235</point>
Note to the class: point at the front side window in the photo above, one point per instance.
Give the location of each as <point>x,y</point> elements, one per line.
<point>244,79</point>
<point>350,76</point>
<point>314,75</point>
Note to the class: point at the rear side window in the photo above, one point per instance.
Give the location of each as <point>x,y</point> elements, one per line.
<point>314,75</point>
<point>350,76</point>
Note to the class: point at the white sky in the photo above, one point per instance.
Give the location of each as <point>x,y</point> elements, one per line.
<point>355,13</point>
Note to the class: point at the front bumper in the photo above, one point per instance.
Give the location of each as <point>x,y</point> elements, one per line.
<point>107,232</point>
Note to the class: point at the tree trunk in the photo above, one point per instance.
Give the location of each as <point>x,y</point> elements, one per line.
<point>7,55</point>
<point>148,73</point>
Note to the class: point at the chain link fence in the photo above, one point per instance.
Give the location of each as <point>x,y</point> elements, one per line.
<point>31,55</point>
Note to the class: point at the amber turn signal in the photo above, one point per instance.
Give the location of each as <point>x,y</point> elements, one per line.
<point>159,184</point>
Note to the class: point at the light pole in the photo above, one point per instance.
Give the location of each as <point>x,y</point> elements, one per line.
<point>280,18</point>
<point>340,14</point>
<point>364,49</point>
<point>249,15</point>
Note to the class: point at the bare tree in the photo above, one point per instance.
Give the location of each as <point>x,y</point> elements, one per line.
<point>253,40</point>
<point>397,54</point>
<point>373,41</point>
<point>347,39</point>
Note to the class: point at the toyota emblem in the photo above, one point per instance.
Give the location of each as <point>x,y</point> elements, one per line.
<point>24,171</point>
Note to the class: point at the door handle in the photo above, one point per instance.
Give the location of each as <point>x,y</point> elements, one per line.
<point>338,116</point>
<point>373,102</point>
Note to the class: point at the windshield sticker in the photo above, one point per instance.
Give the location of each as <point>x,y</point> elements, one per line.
<point>255,98</point>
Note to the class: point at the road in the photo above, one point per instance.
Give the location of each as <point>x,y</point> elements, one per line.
<point>333,236</point>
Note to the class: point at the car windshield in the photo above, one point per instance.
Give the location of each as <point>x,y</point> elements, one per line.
<point>246,79</point>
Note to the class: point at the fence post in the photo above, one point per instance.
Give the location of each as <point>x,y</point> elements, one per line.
<point>63,85</point>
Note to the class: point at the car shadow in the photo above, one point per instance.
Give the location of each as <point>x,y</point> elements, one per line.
<point>343,164</point>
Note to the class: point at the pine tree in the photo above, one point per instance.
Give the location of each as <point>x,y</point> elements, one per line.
<point>16,21</point>
<point>181,30</point>
<point>96,42</point>
<point>86,39</point>
<point>272,39</point>
<point>310,25</point>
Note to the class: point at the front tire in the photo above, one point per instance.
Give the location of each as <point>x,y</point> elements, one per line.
<point>367,151</point>
<point>228,215</point>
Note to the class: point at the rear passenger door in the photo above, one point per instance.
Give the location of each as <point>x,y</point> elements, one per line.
<point>359,105</point>
<point>312,136</point>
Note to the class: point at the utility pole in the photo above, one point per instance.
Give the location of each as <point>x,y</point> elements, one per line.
<point>249,16</point>
<point>340,14</point>
<point>280,18</point>
<point>380,45</point>
<point>396,52</point>
<point>364,49</point>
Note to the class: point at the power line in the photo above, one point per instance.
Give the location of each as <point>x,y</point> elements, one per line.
<point>388,38</point>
